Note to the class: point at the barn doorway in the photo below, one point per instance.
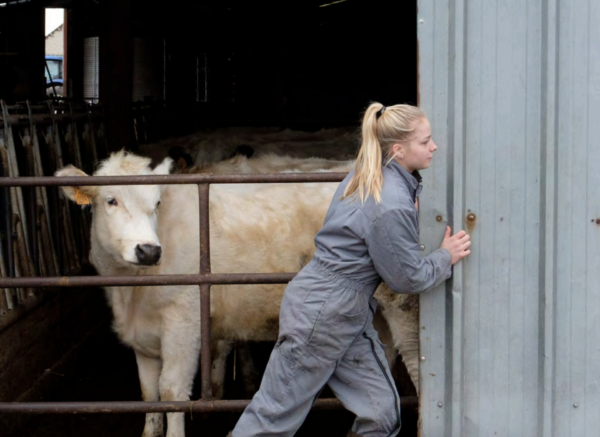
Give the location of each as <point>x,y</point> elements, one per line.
<point>299,65</point>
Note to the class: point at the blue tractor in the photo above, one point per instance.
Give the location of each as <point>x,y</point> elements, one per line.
<point>54,75</point>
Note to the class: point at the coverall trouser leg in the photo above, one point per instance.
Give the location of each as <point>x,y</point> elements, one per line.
<point>363,382</point>
<point>326,336</point>
<point>294,378</point>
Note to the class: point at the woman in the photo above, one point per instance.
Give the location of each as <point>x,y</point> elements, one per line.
<point>370,234</point>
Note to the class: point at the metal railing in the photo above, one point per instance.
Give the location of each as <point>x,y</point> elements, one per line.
<point>45,236</point>
<point>40,233</point>
<point>204,279</point>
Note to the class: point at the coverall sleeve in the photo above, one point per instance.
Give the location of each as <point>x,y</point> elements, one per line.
<point>393,244</point>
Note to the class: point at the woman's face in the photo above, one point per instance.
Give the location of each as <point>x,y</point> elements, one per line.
<point>416,153</point>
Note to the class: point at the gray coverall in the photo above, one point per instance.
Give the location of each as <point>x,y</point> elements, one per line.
<point>326,333</point>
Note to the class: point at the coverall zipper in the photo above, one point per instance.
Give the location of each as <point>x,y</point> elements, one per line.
<point>387,378</point>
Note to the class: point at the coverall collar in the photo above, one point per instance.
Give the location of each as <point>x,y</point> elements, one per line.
<point>413,180</point>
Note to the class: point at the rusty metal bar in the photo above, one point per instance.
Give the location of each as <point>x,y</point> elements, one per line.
<point>23,249</point>
<point>7,213</point>
<point>157,407</point>
<point>47,265</point>
<point>25,181</point>
<point>205,336</point>
<point>5,171</point>
<point>204,232</point>
<point>32,231</point>
<point>50,258</point>
<point>204,235</point>
<point>42,119</point>
<point>110,281</point>
<point>67,246</point>
<point>3,303</point>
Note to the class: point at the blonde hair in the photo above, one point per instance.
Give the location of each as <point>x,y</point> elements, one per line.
<point>382,127</point>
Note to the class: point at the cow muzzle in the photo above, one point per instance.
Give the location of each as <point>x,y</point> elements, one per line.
<point>148,254</point>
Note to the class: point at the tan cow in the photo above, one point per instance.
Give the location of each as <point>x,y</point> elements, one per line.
<point>206,147</point>
<point>271,163</point>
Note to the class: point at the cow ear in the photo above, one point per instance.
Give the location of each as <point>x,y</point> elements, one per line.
<point>164,167</point>
<point>81,195</point>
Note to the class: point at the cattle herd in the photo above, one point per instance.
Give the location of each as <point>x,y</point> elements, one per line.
<point>254,228</point>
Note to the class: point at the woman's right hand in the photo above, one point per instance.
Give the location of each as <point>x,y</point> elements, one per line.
<point>457,244</point>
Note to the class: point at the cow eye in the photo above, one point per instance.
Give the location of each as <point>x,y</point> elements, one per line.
<point>112,202</point>
<point>157,203</point>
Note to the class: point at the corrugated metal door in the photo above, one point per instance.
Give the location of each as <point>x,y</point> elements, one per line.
<point>511,347</point>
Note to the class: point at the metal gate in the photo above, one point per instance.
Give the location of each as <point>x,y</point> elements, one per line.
<point>204,280</point>
<point>41,234</point>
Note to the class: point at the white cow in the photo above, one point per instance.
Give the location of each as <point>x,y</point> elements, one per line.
<point>153,230</point>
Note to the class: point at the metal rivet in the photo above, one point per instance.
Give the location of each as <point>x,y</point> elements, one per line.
<point>422,247</point>
<point>440,404</point>
<point>575,405</point>
<point>471,217</point>
<point>421,21</point>
<point>422,358</point>
<point>438,218</point>
<point>598,221</point>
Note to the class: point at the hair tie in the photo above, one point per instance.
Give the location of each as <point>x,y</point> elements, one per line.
<point>380,112</point>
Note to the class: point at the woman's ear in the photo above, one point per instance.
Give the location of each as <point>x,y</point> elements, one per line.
<point>398,150</point>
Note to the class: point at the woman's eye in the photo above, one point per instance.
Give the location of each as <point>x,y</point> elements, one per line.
<point>113,202</point>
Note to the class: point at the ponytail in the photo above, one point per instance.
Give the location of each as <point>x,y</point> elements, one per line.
<point>381,128</point>
<point>368,177</point>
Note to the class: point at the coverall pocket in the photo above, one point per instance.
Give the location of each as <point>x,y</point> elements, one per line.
<point>334,333</point>
<point>350,318</point>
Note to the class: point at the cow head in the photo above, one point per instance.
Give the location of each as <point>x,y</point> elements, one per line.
<point>124,219</point>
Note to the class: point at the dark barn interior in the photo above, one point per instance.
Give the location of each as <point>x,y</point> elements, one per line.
<point>167,69</point>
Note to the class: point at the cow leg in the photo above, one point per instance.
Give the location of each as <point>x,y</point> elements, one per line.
<point>244,364</point>
<point>385,337</point>
<point>410,358</point>
<point>180,346</point>
<point>221,351</point>
<point>247,370</point>
<point>404,327</point>
<point>149,371</point>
